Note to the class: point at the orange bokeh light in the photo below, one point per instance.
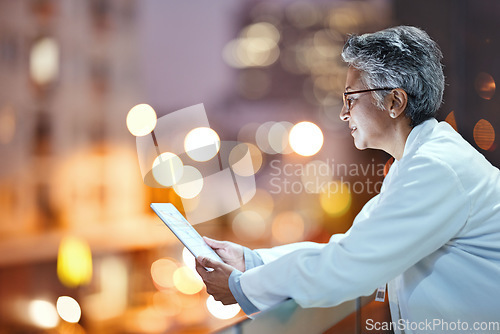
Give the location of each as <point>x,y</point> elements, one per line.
<point>450,119</point>
<point>288,227</point>
<point>162,272</point>
<point>484,134</point>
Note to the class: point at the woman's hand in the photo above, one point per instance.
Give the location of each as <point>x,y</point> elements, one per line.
<point>229,252</point>
<point>216,280</point>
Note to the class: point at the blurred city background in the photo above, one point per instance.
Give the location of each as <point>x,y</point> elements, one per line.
<point>80,249</point>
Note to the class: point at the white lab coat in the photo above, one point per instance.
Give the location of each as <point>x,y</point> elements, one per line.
<point>433,233</point>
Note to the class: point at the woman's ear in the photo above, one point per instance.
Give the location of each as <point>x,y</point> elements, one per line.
<point>398,99</point>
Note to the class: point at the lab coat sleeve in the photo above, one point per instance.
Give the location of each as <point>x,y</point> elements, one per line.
<point>252,259</point>
<point>422,208</point>
<point>235,287</point>
<point>270,254</point>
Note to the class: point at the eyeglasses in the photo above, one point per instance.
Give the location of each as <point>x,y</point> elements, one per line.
<point>348,102</point>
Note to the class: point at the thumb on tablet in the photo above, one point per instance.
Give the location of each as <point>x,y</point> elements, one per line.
<point>206,262</point>
<point>213,243</point>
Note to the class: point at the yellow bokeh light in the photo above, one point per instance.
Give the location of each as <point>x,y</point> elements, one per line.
<point>44,60</point>
<point>335,199</point>
<point>484,134</point>
<point>74,262</point>
<point>262,30</point>
<point>43,314</point>
<point>162,273</point>
<point>202,144</point>
<point>167,169</point>
<point>249,225</point>
<point>69,310</point>
<point>221,311</point>
<point>190,184</point>
<point>257,47</point>
<point>288,227</point>
<point>141,120</point>
<point>306,138</point>
<point>186,281</point>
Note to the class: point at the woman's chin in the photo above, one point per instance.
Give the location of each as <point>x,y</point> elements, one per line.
<point>360,146</point>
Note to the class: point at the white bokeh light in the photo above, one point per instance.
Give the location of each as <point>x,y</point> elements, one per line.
<point>69,310</point>
<point>190,184</point>
<point>306,138</point>
<point>167,169</point>
<point>141,120</point>
<point>43,314</point>
<point>202,144</point>
<point>221,311</point>
<point>190,261</point>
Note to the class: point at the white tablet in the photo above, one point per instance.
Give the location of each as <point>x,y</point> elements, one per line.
<point>184,231</point>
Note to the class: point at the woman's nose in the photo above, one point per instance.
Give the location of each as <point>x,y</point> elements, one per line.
<point>344,114</point>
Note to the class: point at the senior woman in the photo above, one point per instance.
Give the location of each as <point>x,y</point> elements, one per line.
<point>433,232</point>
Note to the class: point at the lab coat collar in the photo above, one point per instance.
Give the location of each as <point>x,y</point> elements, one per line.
<point>416,135</point>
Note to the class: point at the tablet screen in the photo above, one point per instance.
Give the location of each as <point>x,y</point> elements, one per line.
<point>184,231</point>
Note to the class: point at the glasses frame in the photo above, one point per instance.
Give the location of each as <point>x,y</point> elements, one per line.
<point>348,108</point>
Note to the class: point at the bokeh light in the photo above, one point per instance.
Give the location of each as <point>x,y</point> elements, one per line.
<point>278,137</point>
<point>190,184</point>
<point>485,85</point>
<point>44,60</point>
<point>249,225</point>
<point>221,311</point>
<point>387,166</point>
<point>240,160</point>
<point>484,134</point>
<point>113,281</point>
<point>74,262</point>
<point>246,133</point>
<point>257,46</point>
<point>167,169</point>
<point>262,137</point>
<point>336,198</point>
<point>189,260</point>
<point>316,175</point>
<point>68,308</point>
<point>141,120</point>
<point>162,273</point>
<point>288,226</point>
<point>186,281</point>
<point>43,314</point>
<point>450,119</point>
<point>202,144</point>
<point>306,138</point>
<point>256,156</point>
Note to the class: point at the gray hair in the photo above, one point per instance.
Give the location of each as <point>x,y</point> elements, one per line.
<point>400,57</point>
